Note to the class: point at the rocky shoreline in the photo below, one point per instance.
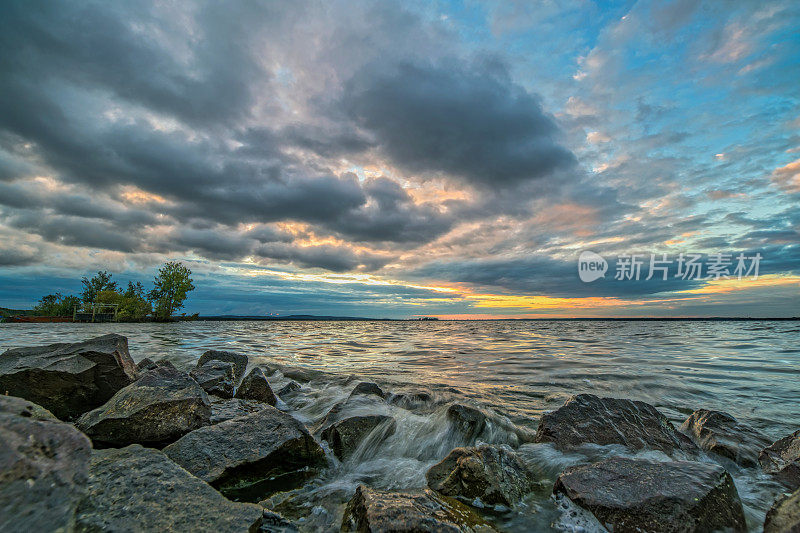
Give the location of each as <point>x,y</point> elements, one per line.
<point>93,442</point>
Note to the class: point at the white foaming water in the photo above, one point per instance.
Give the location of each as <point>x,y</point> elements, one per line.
<point>513,371</point>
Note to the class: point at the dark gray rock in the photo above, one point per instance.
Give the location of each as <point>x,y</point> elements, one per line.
<point>256,387</point>
<point>223,409</point>
<point>238,360</point>
<point>494,474</point>
<point>782,460</point>
<point>586,419</point>
<point>408,511</point>
<point>275,523</point>
<point>411,400</point>
<point>11,405</point>
<point>288,389</point>
<point>468,421</point>
<point>246,458</point>
<point>146,364</point>
<point>640,495</point>
<point>784,516</point>
<point>722,434</point>
<point>43,469</point>
<point>215,377</point>
<point>366,388</point>
<point>163,405</point>
<point>140,489</point>
<point>68,379</point>
<point>345,436</point>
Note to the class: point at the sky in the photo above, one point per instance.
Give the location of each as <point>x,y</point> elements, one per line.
<point>403,159</point>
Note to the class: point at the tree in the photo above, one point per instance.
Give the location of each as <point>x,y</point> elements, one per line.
<point>99,283</point>
<point>171,285</point>
<point>133,304</point>
<point>56,305</point>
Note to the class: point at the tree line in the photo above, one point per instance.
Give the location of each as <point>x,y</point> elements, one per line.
<point>170,288</point>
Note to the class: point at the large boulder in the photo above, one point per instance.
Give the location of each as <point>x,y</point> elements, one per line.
<point>367,388</point>
<point>256,387</point>
<point>641,495</point>
<point>722,434</point>
<point>345,435</point>
<point>784,516</point>
<point>223,409</point>
<point>43,469</point>
<point>493,474</point>
<point>68,379</point>
<point>238,360</point>
<point>215,377</point>
<point>140,489</point>
<point>782,460</point>
<point>408,511</point>
<point>159,408</point>
<point>588,419</point>
<point>249,457</point>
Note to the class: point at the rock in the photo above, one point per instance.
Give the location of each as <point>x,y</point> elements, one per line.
<point>43,469</point>
<point>345,436</point>
<point>410,400</point>
<point>782,460</point>
<point>68,379</point>
<point>250,456</point>
<point>467,420</point>
<point>409,511</point>
<point>11,405</point>
<point>289,388</point>
<point>494,474</point>
<point>366,388</point>
<point>722,434</point>
<point>146,364</point>
<point>641,495</point>
<point>256,387</point>
<point>238,360</point>
<point>275,523</point>
<point>784,516</point>
<point>585,418</point>
<point>215,377</point>
<point>223,409</point>
<point>162,406</point>
<point>140,489</point>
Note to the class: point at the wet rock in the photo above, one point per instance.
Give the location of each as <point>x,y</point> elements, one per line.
<point>640,495</point>
<point>586,418</point>
<point>140,489</point>
<point>256,387</point>
<point>275,523</point>
<point>467,420</point>
<point>160,407</point>
<point>411,511</point>
<point>223,409</point>
<point>345,436</point>
<point>494,474</point>
<point>782,460</point>
<point>366,388</point>
<point>251,456</point>
<point>43,469</point>
<point>215,377</point>
<point>11,405</point>
<point>238,360</point>
<point>784,516</point>
<point>146,364</point>
<point>722,434</point>
<point>410,400</point>
<point>68,379</point>
<point>289,388</point>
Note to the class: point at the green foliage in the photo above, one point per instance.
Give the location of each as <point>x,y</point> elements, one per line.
<point>56,305</point>
<point>99,283</point>
<point>133,305</point>
<point>172,284</point>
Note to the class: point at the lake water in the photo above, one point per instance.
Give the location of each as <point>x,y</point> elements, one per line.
<point>515,370</point>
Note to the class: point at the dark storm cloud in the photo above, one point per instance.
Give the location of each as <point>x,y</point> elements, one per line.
<point>328,257</point>
<point>467,120</point>
<point>75,231</point>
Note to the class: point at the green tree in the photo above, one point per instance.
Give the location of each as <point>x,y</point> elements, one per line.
<point>56,305</point>
<point>172,284</point>
<point>133,304</point>
<point>99,283</point>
